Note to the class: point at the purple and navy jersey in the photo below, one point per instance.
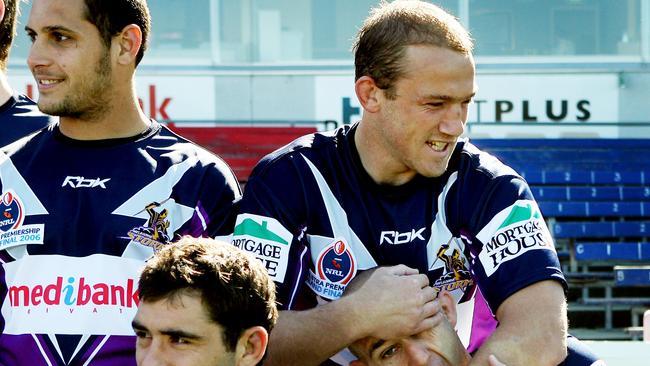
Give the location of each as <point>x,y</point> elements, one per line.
<point>19,117</point>
<point>77,221</point>
<point>313,215</point>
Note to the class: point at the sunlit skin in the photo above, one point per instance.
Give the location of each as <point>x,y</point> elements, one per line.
<point>416,132</point>
<point>178,331</point>
<point>70,63</point>
<point>437,346</point>
<point>421,349</point>
<point>80,78</point>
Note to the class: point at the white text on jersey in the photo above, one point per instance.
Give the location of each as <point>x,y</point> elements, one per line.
<point>394,237</point>
<point>81,182</point>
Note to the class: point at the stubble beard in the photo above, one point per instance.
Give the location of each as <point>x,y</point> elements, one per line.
<point>89,101</point>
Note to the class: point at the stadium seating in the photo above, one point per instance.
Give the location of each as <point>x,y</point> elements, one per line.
<point>595,195</point>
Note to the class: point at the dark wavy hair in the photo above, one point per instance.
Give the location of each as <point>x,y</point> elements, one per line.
<point>235,288</point>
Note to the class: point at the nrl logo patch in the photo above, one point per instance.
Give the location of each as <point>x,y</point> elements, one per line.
<point>12,212</point>
<point>335,267</point>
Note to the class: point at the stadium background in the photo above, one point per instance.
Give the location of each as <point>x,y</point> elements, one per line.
<point>564,89</point>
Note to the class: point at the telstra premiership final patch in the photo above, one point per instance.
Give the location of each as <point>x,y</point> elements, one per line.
<point>335,266</point>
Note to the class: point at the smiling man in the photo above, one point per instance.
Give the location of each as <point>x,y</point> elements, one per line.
<point>401,190</point>
<point>203,302</point>
<point>87,200</point>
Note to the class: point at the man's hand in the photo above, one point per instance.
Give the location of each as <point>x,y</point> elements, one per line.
<point>393,302</point>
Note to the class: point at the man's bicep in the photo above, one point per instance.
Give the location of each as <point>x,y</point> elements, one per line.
<point>542,301</point>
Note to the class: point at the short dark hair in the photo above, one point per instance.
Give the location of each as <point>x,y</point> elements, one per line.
<point>381,42</point>
<point>7,31</point>
<point>111,16</point>
<point>235,288</point>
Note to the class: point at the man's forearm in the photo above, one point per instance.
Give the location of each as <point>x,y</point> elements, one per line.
<point>532,328</point>
<point>312,336</point>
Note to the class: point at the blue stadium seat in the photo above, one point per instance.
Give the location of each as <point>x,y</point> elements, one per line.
<point>605,251</point>
<point>550,193</point>
<point>563,209</point>
<point>607,229</point>
<point>627,209</point>
<point>632,275</point>
<point>594,193</point>
<point>636,193</point>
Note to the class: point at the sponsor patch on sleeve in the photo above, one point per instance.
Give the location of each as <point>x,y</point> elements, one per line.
<point>266,239</point>
<point>514,231</point>
<point>12,231</point>
<point>334,268</point>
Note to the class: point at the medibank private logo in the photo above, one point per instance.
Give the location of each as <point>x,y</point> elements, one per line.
<point>57,294</point>
<point>74,292</point>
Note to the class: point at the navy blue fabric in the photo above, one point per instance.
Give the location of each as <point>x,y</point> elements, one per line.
<point>19,117</point>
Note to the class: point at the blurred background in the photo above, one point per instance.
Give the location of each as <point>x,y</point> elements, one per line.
<point>564,98</point>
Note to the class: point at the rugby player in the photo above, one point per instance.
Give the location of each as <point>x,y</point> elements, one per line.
<point>87,200</point>
<point>400,189</point>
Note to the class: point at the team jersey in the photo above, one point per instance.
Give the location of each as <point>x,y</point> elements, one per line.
<point>314,216</point>
<point>19,117</point>
<point>77,221</point>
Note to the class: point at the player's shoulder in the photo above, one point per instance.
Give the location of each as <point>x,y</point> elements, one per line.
<point>481,164</point>
<point>318,148</point>
<point>179,148</point>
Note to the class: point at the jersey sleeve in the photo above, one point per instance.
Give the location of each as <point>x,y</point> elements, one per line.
<point>515,247</point>
<point>271,226</point>
<point>217,197</point>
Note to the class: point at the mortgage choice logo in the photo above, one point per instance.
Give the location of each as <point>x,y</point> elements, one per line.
<point>514,231</point>
<point>55,294</point>
<point>267,240</point>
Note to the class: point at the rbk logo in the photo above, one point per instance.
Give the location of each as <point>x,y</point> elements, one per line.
<point>394,237</point>
<point>81,182</point>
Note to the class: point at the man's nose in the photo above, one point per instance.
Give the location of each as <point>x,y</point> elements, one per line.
<point>154,355</point>
<point>417,353</point>
<point>453,121</point>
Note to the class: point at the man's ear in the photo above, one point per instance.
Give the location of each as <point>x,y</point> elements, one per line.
<point>251,346</point>
<point>129,42</point>
<point>448,305</point>
<point>367,93</point>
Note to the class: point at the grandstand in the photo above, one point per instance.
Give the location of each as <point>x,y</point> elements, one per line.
<point>595,195</point>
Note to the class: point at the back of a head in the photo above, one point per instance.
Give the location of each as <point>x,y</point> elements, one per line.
<point>235,288</point>
<point>391,27</point>
<point>7,30</point>
<point>111,16</point>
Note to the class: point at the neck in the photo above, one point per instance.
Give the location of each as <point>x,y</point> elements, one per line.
<point>122,118</point>
<point>378,163</point>
<point>5,88</point>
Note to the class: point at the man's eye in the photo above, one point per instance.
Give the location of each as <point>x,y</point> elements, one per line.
<point>60,37</point>
<point>141,334</point>
<point>390,351</point>
<point>179,340</point>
